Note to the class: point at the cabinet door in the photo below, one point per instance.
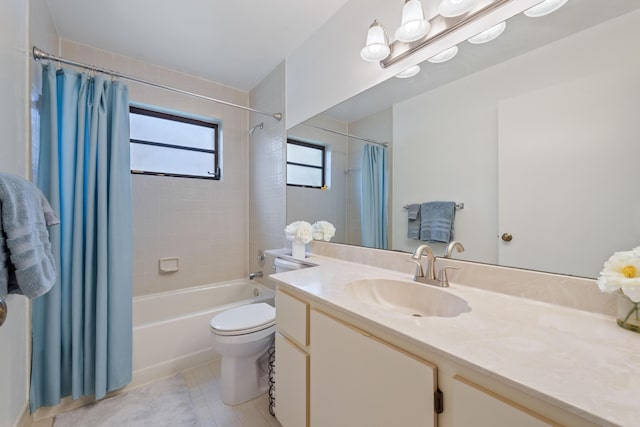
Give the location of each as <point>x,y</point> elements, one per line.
<point>357,380</point>
<point>292,379</point>
<point>476,406</point>
<point>292,318</point>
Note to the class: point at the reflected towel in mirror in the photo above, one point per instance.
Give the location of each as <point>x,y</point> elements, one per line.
<point>436,221</point>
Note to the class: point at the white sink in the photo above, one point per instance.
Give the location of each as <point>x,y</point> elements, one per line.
<point>405,297</point>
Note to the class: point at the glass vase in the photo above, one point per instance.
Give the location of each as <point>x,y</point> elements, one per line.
<point>297,249</point>
<point>628,314</point>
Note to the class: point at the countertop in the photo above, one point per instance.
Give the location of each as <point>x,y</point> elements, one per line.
<point>579,361</point>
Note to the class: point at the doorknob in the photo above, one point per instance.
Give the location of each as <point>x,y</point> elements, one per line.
<point>507,237</point>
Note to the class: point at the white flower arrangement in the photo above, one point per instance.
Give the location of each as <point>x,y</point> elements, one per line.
<point>323,230</point>
<point>299,231</point>
<point>621,273</point>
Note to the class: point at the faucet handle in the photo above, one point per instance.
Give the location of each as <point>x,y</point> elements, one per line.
<point>419,271</point>
<point>442,275</point>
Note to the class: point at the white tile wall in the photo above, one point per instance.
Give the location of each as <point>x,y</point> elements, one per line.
<point>267,156</point>
<point>203,222</point>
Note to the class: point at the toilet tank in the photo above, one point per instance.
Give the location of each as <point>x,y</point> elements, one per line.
<point>280,265</point>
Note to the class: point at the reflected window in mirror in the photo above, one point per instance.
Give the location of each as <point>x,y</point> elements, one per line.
<point>307,164</point>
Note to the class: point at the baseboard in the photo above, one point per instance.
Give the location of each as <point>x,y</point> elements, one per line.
<point>140,378</point>
<point>24,420</point>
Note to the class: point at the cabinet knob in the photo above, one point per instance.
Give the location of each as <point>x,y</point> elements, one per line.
<point>507,237</point>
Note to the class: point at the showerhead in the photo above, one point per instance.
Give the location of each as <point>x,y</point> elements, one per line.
<point>253,129</point>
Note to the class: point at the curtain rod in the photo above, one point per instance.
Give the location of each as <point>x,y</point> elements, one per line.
<point>39,55</point>
<point>373,141</point>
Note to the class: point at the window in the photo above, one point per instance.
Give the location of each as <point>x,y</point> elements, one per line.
<point>173,145</point>
<point>306,164</point>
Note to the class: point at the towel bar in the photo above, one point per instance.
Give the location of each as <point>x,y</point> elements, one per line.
<point>458,206</point>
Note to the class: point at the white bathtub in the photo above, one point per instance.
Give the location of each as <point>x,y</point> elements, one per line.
<point>171,329</point>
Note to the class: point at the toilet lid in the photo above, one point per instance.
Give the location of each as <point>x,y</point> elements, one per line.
<point>244,318</point>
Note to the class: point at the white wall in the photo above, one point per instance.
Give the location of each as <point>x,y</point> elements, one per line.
<point>204,222</point>
<point>312,204</point>
<point>448,137</point>
<point>327,69</point>
<point>267,185</point>
<point>14,158</point>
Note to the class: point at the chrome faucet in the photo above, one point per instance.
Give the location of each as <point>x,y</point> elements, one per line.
<point>257,274</point>
<point>430,276</point>
<point>451,246</point>
<point>420,275</point>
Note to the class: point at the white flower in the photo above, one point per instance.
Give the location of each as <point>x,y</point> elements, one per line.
<point>299,230</point>
<point>323,230</point>
<point>621,272</point>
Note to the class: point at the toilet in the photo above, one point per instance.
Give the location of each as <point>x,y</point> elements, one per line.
<point>242,336</point>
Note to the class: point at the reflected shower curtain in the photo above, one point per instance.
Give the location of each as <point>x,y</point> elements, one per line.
<point>373,208</point>
<point>82,330</point>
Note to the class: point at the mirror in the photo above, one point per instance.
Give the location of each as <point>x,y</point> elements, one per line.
<point>536,133</point>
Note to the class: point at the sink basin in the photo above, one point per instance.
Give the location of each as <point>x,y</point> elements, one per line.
<point>405,297</point>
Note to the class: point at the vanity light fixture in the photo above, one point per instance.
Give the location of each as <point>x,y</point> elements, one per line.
<point>409,72</point>
<point>413,26</point>
<point>377,45</point>
<point>544,8</point>
<point>444,56</point>
<point>452,8</point>
<point>488,34</point>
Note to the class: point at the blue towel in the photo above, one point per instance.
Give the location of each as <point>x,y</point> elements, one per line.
<point>436,221</point>
<point>27,265</point>
<point>413,221</point>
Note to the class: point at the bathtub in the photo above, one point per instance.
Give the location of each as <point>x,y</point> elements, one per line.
<point>171,329</point>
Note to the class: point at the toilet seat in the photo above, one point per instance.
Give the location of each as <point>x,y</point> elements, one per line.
<point>243,320</point>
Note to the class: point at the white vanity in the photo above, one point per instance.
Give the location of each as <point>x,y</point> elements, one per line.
<point>347,359</point>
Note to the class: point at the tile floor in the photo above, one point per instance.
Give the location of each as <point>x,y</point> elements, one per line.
<point>204,386</point>
<point>203,383</point>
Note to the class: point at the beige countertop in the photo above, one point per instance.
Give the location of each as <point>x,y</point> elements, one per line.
<point>577,360</point>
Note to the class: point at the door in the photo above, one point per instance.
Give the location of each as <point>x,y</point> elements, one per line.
<point>556,206</point>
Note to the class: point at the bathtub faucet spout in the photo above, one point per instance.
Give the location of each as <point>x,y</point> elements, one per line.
<point>257,274</point>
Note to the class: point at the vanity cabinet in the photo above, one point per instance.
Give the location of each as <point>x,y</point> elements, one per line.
<point>332,372</point>
<point>474,405</point>
<point>357,379</point>
<point>292,361</point>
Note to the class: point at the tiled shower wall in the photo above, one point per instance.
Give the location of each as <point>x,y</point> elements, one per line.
<point>267,157</point>
<point>203,222</point>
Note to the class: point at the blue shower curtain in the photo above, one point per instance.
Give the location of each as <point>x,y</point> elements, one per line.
<point>82,330</point>
<point>373,209</point>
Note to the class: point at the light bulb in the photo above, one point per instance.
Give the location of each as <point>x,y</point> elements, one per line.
<point>444,56</point>
<point>544,8</point>
<point>377,45</point>
<point>413,26</point>
<point>452,8</point>
<point>488,34</point>
<point>409,72</point>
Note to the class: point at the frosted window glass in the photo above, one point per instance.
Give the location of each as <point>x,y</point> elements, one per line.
<point>301,175</point>
<point>305,155</point>
<point>156,129</point>
<point>150,158</point>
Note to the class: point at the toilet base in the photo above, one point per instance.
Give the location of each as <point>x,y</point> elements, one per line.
<point>243,379</point>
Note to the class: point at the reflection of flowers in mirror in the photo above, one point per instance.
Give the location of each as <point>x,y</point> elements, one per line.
<point>621,275</point>
<point>323,230</point>
<point>300,231</point>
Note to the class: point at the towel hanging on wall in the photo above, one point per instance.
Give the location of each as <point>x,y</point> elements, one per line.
<point>27,265</point>
<point>436,221</point>
<point>413,221</point>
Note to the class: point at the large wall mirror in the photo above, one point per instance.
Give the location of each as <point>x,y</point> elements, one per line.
<point>537,133</point>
